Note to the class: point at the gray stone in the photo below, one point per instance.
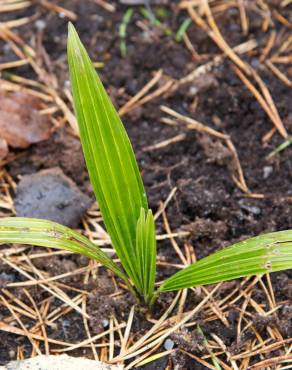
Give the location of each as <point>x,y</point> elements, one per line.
<point>51,195</point>
<point>250,208</point>
<point>40,24</point>
<point>168,344</point>
<point>267,171</point>
<point>62,362</point>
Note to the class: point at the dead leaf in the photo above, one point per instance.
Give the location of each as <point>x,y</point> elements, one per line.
<point>21,124</point>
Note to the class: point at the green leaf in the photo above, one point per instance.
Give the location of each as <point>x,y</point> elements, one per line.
<point>50,234</point>
<point>109,156</point>
<point>264,253</point>
<point>146,253</point>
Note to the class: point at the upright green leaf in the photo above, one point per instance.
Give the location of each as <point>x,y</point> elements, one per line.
<point>109,156</point>
<point>264,253</point>
<point>50,234</point>
<point>146,253</point>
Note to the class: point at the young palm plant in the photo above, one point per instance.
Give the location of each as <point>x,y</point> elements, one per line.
<point>122,200</point>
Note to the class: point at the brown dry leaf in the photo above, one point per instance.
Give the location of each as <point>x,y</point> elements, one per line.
<point>21,124</point>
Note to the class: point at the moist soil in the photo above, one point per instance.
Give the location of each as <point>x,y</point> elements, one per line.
<point>207,202</point>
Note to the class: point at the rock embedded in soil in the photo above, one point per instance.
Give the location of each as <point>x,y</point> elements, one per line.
<point>21,123</point>
<point>168,344</point>
<point>62,362</point>
<point>254,210</point>
<point>51,195</point>
<point>267,171</point>
<point>60,150</point>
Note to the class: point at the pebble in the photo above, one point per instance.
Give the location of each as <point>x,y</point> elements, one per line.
<point>51,195</point>
<point>12,354</point>
<point>267,171</point>
<point>255,62</point>
<point>67,84</point>
<point>6,48</point>
<point>250,209</point>
<point>105,323</point>
<point>40,24</point>
<point>6,278</point>
<point>168,344</point>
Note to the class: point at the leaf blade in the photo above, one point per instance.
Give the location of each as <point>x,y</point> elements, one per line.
<point>109,156</point>
<point>45,233</point>
<point>264,253</point>
<point>146,253</point>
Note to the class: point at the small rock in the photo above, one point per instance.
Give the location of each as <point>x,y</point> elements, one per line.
<point>21,124</point>
<point>5,279</point>
<point>62,362</point>
<point>12,354</point>
<point>255,62</point>
<point>105,323</point>
<point>249,208</point>
<point>267,171</point>
<point>168,344</point>
<point>51,195</point>
<point>40,24</point>
<point>6,48</point>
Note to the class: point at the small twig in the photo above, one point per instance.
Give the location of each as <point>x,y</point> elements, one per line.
<point>165,143</point>
<point>59,9</point>
<point>193,124</point>
<point>281,76</point>
<point>129,105</point>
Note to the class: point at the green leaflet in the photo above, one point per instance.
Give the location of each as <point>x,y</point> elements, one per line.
<point>146,253</point>
<point>50,234</point>
<point>261,254</point>
<point>109,156</point>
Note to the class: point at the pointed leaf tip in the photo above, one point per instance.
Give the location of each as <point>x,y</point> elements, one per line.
<point>71,30</point>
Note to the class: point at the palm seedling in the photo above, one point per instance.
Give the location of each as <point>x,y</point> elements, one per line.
<point>122,200</point>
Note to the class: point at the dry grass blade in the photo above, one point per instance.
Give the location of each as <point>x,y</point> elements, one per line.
<point>150,332</point>
<point>193,124</point>
<point>90,340</point>
<point>59,9</point>
<point>14,330</point>
<point>264,104</point>
<point>64,298</point>
<point>124,343</point>
<point>12,6</point>
<point>280,75</point>
<point>214,32</point>
<point>165,143</point>
<point>133,351</point>
<point>135,99</point>
<point>27,333</point>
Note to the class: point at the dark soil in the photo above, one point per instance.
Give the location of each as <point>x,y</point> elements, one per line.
<point>207,203</point>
